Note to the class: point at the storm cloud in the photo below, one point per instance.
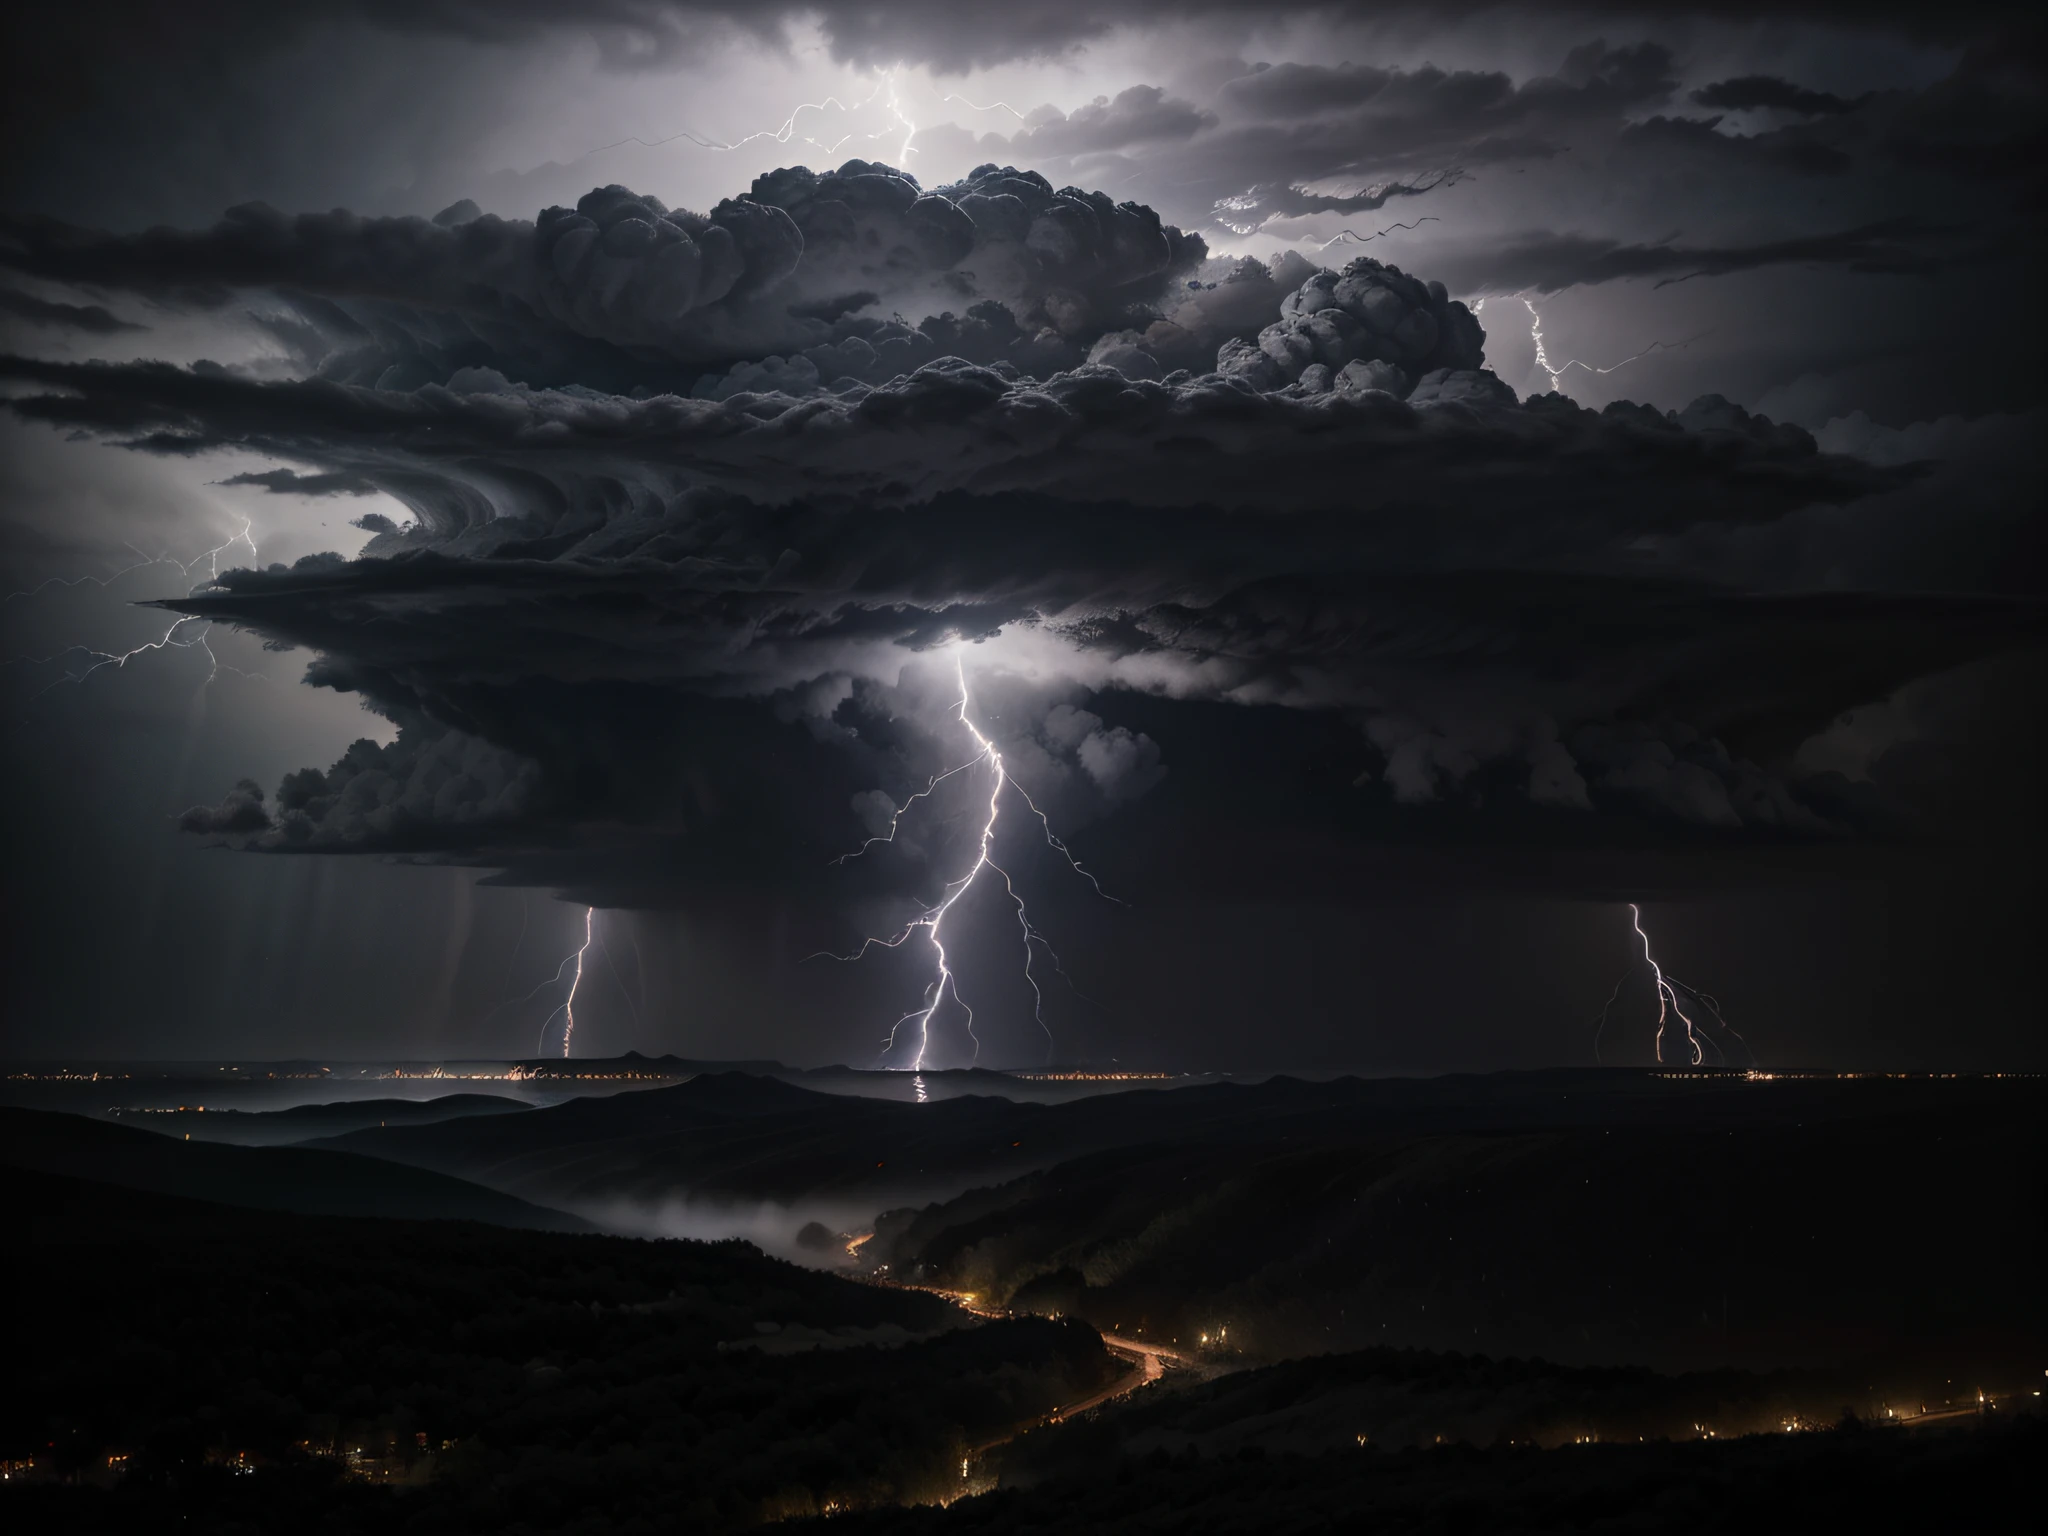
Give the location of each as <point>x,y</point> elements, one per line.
<point>1141,473</point>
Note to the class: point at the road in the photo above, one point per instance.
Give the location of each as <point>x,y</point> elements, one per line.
<point>1153,1361</point>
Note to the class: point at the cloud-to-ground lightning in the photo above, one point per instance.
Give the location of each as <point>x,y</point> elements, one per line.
<point>1671,993</point>
<point>566,1010</point>
<point>945,983</point>
<point>1557,373</point>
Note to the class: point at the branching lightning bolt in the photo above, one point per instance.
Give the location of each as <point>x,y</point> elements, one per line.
<point>174,638</point>
<point>781,134</point>
<point>1557,373</point>
<point>212,556</point>
<point>66,583</point>
<point>945,983</point>
<point>1670,994</point>
<point>567,1009</point>
<point>101,660</point>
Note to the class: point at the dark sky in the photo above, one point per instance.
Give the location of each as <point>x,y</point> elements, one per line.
<point>1399,483</point>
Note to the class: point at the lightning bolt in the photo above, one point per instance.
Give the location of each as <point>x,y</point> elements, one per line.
<point>1671,993</point>
<point>783,133</point>
<point>1557,373</point>
<point>67,583</point>
<point>143,562</point>
<point>212,556</point>
<point>567,1009</point>
<point>945,982</point>
<point>994,106</point>
<point>1353,235</point>
<point>895,106</point>
<point>169,640</point>
<point>101,660</point>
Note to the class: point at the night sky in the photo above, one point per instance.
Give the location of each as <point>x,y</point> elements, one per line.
<point>1398,483</point>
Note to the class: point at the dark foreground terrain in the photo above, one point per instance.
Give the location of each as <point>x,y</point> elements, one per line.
<point>1682,1221</point>
<point>256,1370</point>
<point>1540,1303</point>
<point>1867,1480</point>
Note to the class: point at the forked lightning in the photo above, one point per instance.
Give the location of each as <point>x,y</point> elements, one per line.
<point>945,983</point>
<point>1670,994</point>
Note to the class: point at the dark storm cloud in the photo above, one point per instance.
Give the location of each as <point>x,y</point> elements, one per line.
<point>1291,149</point>
<point>1431,108</point>
<point>1545,263</point>
<point>1092,434</point>
<point>240,811</point>
<point>647,33</point>
<point>1281,201</point>
<point>1287,125</point>
<point>1290,136</point>
<point>1986,121</point>
<point>1747,93</point>
<point>943,34</point>
<point>1293,488</point>
<point>91,319</point>
<point>1447,674</point>
<point>1139,114</point>
<point>640,277</point>
<point>283,482</point>
<point>1570,694</point>
<point>1701,139</point>
<point>623,291</point>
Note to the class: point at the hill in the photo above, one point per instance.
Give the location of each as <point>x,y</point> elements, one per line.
<point>304,1122</point>
<point>1679,1220</point>
<point>267,1178</point>
<point>1677,1245</point>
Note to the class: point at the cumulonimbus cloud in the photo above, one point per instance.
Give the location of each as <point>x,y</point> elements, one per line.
<point>1129,470</point>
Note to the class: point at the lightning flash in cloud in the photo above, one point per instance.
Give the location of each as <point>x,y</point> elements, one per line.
<point>993,106</point>
<point>785,132</point>
<point>1560,370</point>
<point>1353,237</point>
<point>1673,997</point>
<point>931,922</point>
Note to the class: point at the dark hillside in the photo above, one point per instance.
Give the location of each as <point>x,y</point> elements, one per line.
<point>1853,1480</point>
<point>282,1127</point>
<point>1910,1232</point>
<point>510,1379</point>
<point>270,1178</point>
